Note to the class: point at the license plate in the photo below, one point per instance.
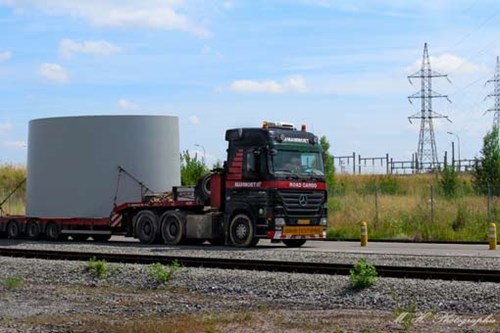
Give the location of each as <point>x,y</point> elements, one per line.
<point>304,222</point>
<point>302,231</point>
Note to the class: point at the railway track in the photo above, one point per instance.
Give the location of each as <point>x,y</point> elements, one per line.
<point>482,275</point>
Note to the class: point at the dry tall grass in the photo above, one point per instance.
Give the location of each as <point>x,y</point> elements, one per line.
<point>10,177</point>
<point>409,207</point>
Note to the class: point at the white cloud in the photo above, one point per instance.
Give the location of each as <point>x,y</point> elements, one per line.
<point>151,14</point>
<point>194,120</point>
<point>68,47</point>
<point>128,105</point>
<point>4,56</point>
<point>53,72</point>
<point>228,5</point>
<point>292,84</point>
<point>448,63</point>
<point>15,144</point>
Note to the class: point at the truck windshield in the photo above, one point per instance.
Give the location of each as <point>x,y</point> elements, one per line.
<point>294,164</point>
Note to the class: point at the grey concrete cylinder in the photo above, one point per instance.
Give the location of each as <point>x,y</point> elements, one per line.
<point>73,162</point>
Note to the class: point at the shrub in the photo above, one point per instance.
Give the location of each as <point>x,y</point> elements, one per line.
<point>363,275</point>
<point>162,273</point>
<point>99,267</point>
<point>448,183</point>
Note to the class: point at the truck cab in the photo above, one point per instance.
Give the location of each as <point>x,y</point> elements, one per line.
<point>273,185</point>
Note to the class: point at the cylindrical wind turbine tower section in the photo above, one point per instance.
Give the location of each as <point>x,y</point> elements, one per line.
<point>73,162</point>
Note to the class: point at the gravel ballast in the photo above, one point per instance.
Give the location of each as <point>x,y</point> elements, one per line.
<point>65,289</point>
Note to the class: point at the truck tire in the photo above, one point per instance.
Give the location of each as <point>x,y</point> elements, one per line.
<point>202,190</point>
<point>146,226</point>
<point>242,231</point>
<point>33,230</point>
<point>52,231</point>
<point>173,225</point>
<point>13,229</point>
<point>294,242</point>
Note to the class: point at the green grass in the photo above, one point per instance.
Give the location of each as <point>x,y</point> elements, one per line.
<point>12,283</point>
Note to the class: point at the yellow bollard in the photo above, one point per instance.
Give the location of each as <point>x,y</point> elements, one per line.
<point>492,236</point>
<point>364,234</point>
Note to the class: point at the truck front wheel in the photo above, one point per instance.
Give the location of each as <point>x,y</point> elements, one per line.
<point>242,232</point>
<point>172,227</point>
<point>146,226</point>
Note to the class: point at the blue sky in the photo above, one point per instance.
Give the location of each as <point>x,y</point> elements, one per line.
<point>338,66</point>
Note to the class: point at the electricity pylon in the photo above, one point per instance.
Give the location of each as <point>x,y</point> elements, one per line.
<point>426,152</point>
<point>496,93</point>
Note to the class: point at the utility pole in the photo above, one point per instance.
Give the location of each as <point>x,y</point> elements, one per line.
<point>496,93</point>
<point>427,151</point>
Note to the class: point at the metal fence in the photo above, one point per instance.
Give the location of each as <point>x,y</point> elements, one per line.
<point>358,164</point>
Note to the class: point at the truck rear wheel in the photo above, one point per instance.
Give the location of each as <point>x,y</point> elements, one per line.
<point>33,230</point>
<point>172,227</point>
<point>13,229</point>
<point>242,232</point>
<point>146,226</point>
<point>294,242</point>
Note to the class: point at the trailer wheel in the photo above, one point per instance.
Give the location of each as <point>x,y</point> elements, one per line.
<point>172,227</point>
<point>33,230</point>
<point>13,229</point>
<point>242,232</point>
<point>294,242</point>
<point>52,231</point>
<point>80,237</point>
<point>101,238</point>
<point>146,226</point>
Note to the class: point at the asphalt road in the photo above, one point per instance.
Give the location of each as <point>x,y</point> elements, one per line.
<point>424,249</point>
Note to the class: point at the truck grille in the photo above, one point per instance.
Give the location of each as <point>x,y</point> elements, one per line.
<point>302,203</point>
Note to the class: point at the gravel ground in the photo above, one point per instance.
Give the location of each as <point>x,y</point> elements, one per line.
<point>63,296</point>
<point>265,253</point>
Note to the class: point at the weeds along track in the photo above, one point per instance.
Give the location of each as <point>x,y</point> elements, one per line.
<point>480,275</point>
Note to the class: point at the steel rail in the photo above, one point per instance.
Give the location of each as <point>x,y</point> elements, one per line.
<point>458,274</point>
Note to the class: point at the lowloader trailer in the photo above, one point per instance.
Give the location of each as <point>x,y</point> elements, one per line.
<point>272,186</point>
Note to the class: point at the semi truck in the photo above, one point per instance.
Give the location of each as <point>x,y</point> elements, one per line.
<point>271,186</point>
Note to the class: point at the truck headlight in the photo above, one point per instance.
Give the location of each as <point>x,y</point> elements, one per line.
<point>279,221</point>
<point>323,221</point>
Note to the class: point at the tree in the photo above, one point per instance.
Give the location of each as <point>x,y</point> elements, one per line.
<point>328,160</point>
<point>192,169</point>
<point>487,171</point>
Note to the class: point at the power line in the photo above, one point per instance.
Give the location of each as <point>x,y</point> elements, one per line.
<point>496,94</point>
<point>426,151</point>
